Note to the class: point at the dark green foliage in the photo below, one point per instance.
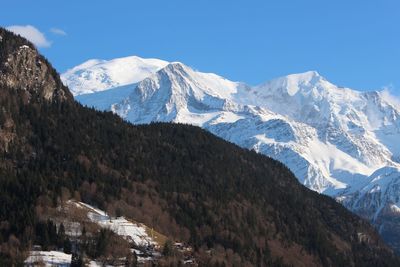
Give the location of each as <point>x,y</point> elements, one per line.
<point>77,260</point>
<point>48,238</point>
<point>101,242</point>
<point>46,234</point>
<point>168,249</point>
<point>131,260</point>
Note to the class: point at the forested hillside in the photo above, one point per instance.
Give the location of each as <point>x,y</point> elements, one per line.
<point>234,206</point>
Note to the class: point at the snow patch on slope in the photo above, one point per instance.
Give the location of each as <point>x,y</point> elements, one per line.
<point>48,258</point>
<point>131,231</point>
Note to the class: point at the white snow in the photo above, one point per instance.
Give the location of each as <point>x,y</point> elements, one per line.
<point>97,75</point>
<point>94,210</point>
<point>395,208</point>
<point>131,231</point>
<point>49,258</point>
<point>103,100</point>
<point>94,264</point>
<point>370,197</point>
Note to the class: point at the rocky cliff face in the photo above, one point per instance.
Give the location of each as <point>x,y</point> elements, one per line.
<point>23,68</point>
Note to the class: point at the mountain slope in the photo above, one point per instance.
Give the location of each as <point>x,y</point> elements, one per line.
<point>247,209</point>
<point>346,118</point>
<point>97,75</point>
<point>332,138</point>
<point>377,199</point>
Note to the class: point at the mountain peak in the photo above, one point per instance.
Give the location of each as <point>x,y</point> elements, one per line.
<point>293,84</point>
<point>98,75</point>
<point>305,76</point>
<point>301,81</point>
<point>176,67</point>
<point>177,64</point>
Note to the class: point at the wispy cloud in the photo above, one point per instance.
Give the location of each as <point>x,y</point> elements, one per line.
<point>58,31</point>
<point>31,33</point>
<point>387,94</point>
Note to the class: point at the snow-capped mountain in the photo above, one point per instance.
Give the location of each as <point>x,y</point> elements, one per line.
<point>337,141</point>
<point>97,75</point>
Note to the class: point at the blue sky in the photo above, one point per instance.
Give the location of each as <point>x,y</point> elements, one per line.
<point>351,43</point>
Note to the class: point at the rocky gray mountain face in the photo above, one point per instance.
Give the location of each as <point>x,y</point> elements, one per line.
<point>24,68</point>
<point>336,140</point>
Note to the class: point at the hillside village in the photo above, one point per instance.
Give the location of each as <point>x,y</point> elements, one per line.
<point>135,244</point>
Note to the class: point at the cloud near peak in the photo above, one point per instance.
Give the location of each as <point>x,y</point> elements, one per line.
<point>31,33</point>
<point>389,96</point>
<point>58,31</point>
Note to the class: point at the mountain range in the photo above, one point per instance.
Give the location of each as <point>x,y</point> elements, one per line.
<point>233,206</point>
<point>337,141</point>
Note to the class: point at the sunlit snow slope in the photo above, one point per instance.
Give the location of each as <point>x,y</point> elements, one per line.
<point>97,75</point>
